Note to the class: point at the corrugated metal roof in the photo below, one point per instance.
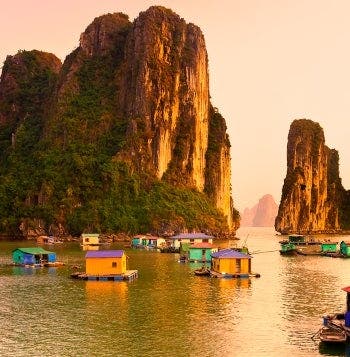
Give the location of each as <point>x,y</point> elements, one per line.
<point>201,245</point>
<point>191,236</point>
<point>34,250</point>
<point>230,253</point>
<point>104,254</point>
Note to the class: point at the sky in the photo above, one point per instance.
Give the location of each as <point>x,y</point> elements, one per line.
<point>270,62</point>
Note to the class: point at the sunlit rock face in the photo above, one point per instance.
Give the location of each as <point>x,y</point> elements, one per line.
<point>165,94</point>
<point>312,191</point>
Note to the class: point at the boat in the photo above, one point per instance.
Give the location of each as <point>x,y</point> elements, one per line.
<point>340,321</point>
<point>300,244</point>
<point>331,334</point>
<point>288,249</point>
<point>203,271</point>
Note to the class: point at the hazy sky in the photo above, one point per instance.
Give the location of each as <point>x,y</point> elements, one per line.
<point>270,62</point>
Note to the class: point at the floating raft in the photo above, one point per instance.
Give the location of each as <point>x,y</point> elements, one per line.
<point>214,274</point>
<point>129,275</point>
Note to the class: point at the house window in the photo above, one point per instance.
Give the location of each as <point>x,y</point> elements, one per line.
<point>114,264</point>
<point>205,241</point>
<point>191,240</point>
<point>87,240</point>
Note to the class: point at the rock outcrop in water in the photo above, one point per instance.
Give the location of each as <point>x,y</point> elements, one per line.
<point>125,137</point>
<point>263,214</point>
<point>313,198</point>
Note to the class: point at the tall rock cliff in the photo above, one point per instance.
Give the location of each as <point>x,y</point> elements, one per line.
<point>131,111</point>
<point>313,199</point>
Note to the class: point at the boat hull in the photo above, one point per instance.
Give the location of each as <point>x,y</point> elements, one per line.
<point>332,335</point>
<point>290,252</point>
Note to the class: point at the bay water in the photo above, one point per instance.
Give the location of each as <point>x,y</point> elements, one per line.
<point>168,311</point>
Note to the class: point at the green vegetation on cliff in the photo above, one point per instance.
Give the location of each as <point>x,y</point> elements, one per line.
<point>71,176</point>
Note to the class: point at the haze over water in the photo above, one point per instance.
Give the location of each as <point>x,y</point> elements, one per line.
<point>168,311</point>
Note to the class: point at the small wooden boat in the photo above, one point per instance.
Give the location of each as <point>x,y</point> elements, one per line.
<point>202,271</point>
<point>329,334</point>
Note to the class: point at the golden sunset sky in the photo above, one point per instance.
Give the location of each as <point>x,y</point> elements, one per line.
<point>270,62</point>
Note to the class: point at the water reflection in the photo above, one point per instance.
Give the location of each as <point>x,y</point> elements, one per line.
<point>235,283</point>
<point>111,291</point>
<point>28,270</point>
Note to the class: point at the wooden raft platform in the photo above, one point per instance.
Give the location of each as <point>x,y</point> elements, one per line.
<point>129,275</point>
<point>214,274</point>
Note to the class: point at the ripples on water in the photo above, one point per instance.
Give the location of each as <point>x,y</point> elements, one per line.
<point>168,311</point>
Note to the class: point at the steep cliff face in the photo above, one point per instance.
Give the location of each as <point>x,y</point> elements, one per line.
<point>129,116</point>
<point>166,95</point>
<point>218,168</point>
<point>312,191</point>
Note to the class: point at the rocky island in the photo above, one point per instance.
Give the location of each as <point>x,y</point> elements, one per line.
<point>313,198</point>
<point>121,137</point>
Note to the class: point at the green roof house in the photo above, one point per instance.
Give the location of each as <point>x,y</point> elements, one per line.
<point>32,256</point>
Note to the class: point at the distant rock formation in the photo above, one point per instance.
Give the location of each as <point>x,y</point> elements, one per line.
<point>313,198</point>
<point>263,214</point>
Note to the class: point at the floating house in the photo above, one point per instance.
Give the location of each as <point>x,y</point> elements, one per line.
<point>183,238</point>
<point>229,263</point>
<point>33,256</point>
<point>106,265</point>
<point>201,252</point>
<point>92,239</point>
<point>137,240</point>
<point>147,242</point>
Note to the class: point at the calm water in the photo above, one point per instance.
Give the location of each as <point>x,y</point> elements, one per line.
<point>168,311</point>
